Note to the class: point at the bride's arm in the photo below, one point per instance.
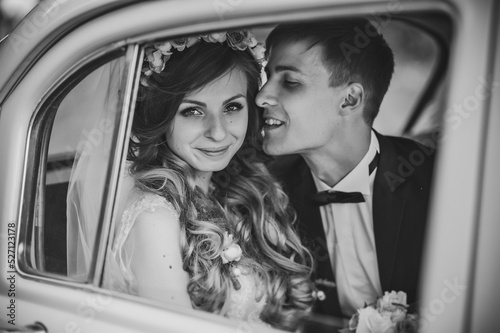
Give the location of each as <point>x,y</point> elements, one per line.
<point>156,258</point>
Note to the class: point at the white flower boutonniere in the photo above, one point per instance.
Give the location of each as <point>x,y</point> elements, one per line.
<point>231,252</point>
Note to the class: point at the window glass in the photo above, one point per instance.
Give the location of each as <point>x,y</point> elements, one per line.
<point>415,61</point>
<point>78,156</point>
<point>415,55</point>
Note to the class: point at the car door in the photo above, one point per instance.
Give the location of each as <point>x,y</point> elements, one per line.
<point>460,278</point>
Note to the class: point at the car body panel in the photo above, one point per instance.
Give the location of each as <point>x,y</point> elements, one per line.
<point>484,298</point>
<point>454,216</point>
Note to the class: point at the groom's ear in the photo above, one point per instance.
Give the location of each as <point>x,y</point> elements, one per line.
<point>354,96</point>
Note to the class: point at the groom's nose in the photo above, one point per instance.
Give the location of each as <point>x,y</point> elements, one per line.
<point>266,96</point>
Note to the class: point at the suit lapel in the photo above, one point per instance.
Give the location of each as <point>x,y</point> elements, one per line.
<point>388,210</point>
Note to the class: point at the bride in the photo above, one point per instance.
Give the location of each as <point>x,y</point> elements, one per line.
<point>206,225</point>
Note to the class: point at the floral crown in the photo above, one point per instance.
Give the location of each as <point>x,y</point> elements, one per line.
<point>158,54</point>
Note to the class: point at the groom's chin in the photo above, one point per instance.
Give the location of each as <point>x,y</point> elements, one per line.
<point>270,149</point>
<point>265,147</point>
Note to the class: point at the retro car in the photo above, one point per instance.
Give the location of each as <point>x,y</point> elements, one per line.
<point>445,93</point>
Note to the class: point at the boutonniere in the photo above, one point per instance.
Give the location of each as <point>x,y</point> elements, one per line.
<point>231,253</point>
<point>388,314</point>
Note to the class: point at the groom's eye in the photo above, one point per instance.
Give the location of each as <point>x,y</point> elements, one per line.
<point>290,83</point>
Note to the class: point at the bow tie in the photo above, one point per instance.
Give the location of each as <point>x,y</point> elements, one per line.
<point>327,197</point>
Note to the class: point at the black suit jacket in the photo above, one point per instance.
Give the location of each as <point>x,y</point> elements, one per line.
<point>400,203</point>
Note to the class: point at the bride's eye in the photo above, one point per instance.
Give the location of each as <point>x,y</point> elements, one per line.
<point>188,112</point>
<point>233,107</point>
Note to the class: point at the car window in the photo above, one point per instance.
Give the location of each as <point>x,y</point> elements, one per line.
<point>415,55</point>
<point>415,64</point>
<point>78,120</point>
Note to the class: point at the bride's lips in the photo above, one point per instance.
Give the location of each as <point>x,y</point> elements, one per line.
<point>214,152</point>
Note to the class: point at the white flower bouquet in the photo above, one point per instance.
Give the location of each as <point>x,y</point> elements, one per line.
<point>388,314</point>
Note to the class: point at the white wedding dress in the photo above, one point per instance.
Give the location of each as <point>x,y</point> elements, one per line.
<point>244,304</point>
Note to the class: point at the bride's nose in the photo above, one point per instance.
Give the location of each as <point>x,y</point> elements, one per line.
<point>216,128</point>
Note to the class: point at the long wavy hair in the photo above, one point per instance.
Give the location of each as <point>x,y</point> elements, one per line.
<point>244,199</point>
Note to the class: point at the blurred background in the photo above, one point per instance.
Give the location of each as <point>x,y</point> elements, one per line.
<point>11,12</point>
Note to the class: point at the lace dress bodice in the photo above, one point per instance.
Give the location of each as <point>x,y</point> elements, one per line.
<point>244,304</point>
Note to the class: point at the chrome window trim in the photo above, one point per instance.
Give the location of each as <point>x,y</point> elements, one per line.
<point>329,11</point>
<point>484,265</point>
<point>134,62</point>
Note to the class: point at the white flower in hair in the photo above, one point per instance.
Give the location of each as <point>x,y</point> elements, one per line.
<point>215,37</point>
<point>258,52</point>
<point>156,61</point>
<point>240,39</point>
<point>165,48</point>
<point>181,43</point>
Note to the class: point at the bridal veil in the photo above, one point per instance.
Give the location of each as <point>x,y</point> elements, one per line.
<point>91,168</point>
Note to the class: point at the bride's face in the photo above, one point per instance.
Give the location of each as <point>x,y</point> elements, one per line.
<point>210,124</point>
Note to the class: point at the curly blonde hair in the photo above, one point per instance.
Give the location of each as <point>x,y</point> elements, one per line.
<point>245,200</point>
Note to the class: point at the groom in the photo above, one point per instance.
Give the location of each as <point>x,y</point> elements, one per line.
<point>361,197</point>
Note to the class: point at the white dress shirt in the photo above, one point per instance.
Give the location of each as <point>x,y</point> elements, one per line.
<point>350,238</point>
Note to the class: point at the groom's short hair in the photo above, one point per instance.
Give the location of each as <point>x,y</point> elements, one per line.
<point>353,51</point>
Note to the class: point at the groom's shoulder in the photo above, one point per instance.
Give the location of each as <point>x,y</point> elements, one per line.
<point>413,159</point>
<point>406,146</point>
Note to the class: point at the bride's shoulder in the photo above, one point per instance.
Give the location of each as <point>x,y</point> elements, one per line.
<point>141,207</point>
<point>143,201</point>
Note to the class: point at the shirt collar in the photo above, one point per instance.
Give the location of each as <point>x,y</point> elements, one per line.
<point>358,180</point>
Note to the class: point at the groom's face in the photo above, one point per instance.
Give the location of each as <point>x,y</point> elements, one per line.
<point>301,110</point>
